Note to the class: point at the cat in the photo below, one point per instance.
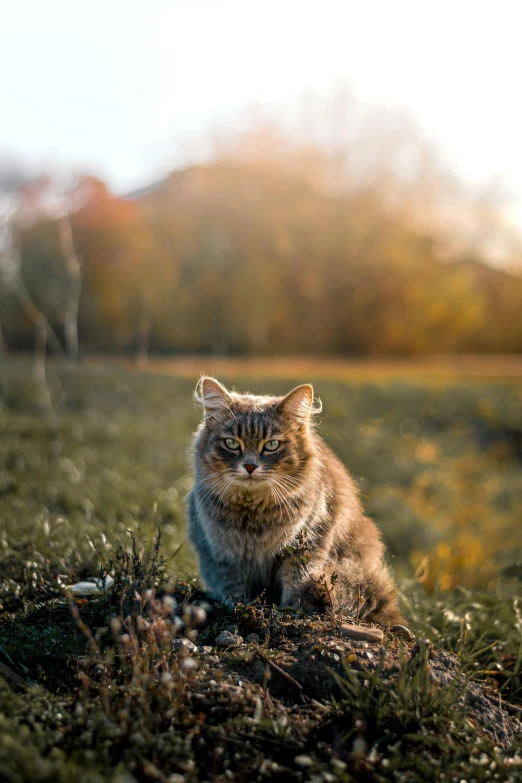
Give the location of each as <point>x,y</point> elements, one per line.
<point>272,509</point>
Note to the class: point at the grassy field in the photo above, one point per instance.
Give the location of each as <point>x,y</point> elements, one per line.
<point>439,463</point>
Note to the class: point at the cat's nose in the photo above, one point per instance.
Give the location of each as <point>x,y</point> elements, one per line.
<point>250,468</point>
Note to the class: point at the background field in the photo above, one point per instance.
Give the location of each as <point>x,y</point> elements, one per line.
<point>438,460</point>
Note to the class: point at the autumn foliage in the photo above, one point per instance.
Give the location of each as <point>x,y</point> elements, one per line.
<point>272,251</point>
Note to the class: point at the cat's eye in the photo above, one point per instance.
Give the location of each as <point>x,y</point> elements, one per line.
<point>232,444</point>
<point>272,445</point>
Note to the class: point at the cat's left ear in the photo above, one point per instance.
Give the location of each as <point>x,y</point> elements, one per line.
<point>299,403</point>
<point>212,395</point>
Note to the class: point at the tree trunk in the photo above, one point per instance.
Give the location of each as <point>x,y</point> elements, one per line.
<point>73,267</point>
<point>143,340</point>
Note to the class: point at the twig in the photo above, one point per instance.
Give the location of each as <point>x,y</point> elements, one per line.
<point>280,671</point>
<point>289,678</point>
<point>513,709</point>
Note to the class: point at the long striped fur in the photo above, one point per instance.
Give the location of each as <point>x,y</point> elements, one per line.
<point>272,509</point>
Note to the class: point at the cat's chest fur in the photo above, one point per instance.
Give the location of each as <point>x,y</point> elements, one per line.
<point>253,537</point>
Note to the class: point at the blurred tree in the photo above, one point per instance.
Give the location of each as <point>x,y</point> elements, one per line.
<point>129,276</point>
<point>279,246</point>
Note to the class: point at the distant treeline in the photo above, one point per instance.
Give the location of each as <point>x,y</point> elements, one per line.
<point>233,257</point>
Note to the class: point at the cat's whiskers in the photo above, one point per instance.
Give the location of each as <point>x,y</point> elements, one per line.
<point>221,491</point>
<point>288,481</point>
<point>273,491</point>
<point>279,491</point>
<point>296,488</point>
<point>216,485</point>
<point>207,478</point>
<point>217,489</point>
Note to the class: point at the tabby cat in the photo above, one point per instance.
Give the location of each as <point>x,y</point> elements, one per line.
<point>272,509</point>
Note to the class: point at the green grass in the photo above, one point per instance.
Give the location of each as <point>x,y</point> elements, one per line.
<point>437,462</point>
<point>440,468</point>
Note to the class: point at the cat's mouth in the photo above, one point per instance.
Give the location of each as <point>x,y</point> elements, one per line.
<point>251,479</point>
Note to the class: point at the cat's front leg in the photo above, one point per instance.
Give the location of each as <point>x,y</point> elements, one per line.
<point>226,583</point>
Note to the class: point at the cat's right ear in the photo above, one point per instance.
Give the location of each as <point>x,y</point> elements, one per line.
<point>212,396</point>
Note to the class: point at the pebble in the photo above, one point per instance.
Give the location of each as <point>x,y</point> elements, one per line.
<point>253,638</point>
<point>303,761</point>
<point>184,644</point>
<point>232,629</point>
<point>401,630</point>
<point>205,650</point>
<point>227,639</point>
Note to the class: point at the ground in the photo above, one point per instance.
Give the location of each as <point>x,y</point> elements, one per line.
<point>151,681</point>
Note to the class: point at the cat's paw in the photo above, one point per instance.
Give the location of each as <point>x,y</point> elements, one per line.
<point>310,600</point>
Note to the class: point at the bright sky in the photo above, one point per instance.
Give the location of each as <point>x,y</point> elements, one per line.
<point>115,85</point>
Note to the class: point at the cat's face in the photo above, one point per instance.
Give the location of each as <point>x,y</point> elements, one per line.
<point>250,443</point>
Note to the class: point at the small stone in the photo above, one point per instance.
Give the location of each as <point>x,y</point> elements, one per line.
<point>205,650</point>
<point>232,629</point>
<point>367,655</point>
<point>253,638</point>
<point>358,632</point>
<point>185,645</point>
<point>401,630</point>
<point>227,639</point>
<point>303,761</point>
